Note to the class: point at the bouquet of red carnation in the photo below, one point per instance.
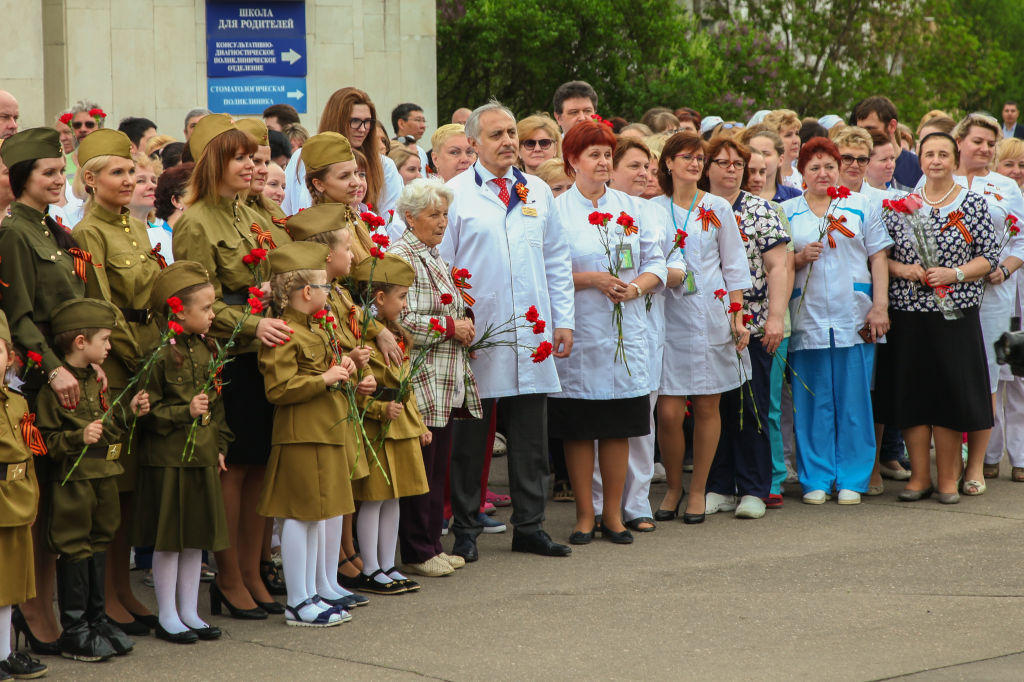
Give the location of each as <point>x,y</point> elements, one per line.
<point>828,223</point>
<point>614,240</point>
<point>497,334</point>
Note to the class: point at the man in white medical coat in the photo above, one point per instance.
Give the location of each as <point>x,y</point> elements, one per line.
<point>502,228</point>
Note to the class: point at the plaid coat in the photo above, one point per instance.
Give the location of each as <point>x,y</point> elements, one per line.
<point>434,384</point>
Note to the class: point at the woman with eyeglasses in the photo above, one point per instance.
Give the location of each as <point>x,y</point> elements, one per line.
<point>838,310</point>
<point>539,140</point>
<point>741,474</point>
<point>703,342</point>
<point>350,112</point>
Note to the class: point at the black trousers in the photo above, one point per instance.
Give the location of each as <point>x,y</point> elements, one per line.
<point>743,461</point>
<point>525,417</point>
<point>419,525</point>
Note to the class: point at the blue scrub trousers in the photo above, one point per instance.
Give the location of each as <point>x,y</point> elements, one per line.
<point>775,417</point>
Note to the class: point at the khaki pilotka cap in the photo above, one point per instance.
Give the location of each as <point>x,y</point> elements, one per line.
<point>31,144</point>
<point>83,313</point>
<point>179,275</point>
<point>208,127</point>
<point>324,149</point>
<point>316,220</point>
<point>389,270</point>
<point>298,256</point>
<point>256,128</point>
<point>5,331</point>
<point>104,142</point>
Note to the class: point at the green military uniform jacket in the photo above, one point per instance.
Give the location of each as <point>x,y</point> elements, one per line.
<point>19,490</point>
<point>339,300</point>
<point>121,244</point>
<point>62,429</point>
<point>217,234</point>
<point>409,424</point>
<point>171,388</point>
<point>268,215</point>
<point>37,275</point>
<point>306,411</point>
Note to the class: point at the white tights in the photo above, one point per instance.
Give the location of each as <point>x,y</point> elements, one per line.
<point>377,528</point>
<point>176,574</point>
<point>5,632</point>
<point>299,543</point>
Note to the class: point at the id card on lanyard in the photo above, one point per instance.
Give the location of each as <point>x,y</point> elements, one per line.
<point>689,283</point>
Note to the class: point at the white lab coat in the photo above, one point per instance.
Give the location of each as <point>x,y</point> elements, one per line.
<point>700,354</point>
<point>839,295</point>
<point>516,260</point>
<point>657,217</point>
<point>591,372</point>
<point>297,197</point>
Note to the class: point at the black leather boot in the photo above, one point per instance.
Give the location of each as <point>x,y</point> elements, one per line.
<point>78,641</point>
<point>96,612</point>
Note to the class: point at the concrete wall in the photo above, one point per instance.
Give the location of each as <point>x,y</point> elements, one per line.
<point>148,57</point>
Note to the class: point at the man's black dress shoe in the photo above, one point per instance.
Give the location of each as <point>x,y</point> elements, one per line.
<point>538,542</point>
<point>465,547</point>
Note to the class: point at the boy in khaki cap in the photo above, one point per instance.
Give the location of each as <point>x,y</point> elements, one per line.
<point>84,511</point>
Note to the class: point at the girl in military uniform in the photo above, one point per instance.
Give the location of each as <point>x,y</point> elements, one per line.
<point>308,474</point>
<point>179,508</point>
<point>19,495</point>
<point>41,266</point>
<point>106,179</point>
<point>268,209</point>
<point>217,230</point>
<point>395,431</point>
<point>83,510</point>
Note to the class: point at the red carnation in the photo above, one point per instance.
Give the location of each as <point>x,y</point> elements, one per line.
<point>97,113</point>
<point>833,192</point>
<point>34,357</point>
<point>735,307</point>
<point>381,240</point>
<point>720,294</point>
<point>532,315</point>
<point>65,118</point>
<point>543,352</point>
<point>175,327</point>
<point>320,314</point>
<point>376,252</point>
<point>599,219</point>
<point>538,328</point>
<point>256,292</point>
<point>747,319</point>
<point>680,239</point>
<point>446,299</point>
<point>330,318</point>
<point>175,304</point>
<point>436,326</point>
<point>255,306</point>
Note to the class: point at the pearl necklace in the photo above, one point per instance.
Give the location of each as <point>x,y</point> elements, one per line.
<point>924,195</point>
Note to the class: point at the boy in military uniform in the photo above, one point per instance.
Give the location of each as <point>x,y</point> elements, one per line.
<point>84,511</point>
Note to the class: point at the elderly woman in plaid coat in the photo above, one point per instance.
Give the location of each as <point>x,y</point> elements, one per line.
<point>445,387</point>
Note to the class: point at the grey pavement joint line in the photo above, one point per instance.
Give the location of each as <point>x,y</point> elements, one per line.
<point>948,667</point>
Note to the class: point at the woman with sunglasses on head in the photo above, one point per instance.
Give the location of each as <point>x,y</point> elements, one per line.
<point>539,140</point>
<point>350,112</point>
<point>701,339</point>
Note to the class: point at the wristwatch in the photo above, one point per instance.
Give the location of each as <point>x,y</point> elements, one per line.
<point>639,291</point>
<point>1006,271</point>
<point>960,276</point>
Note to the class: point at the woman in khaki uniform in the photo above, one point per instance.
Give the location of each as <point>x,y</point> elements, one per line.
<point>332,177</point>
<point>120,242</point>
<point>395,430</point>
<point>217,230</point>
<point>308,477</point>
<point>179,508</point>
<point>19,496</point>
<point>41,266</point>
<point>269,210</point>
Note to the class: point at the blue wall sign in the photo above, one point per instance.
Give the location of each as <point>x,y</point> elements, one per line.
<point>253,94</point>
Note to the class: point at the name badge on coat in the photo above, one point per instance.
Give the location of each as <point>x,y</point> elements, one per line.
<point>530,211</point>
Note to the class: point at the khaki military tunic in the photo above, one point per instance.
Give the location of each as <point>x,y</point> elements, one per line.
<point>260,204</point>
<point>19,497</point>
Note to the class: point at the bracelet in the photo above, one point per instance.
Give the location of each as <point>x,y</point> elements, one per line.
<point>639,291</point>
<point>52,376</point>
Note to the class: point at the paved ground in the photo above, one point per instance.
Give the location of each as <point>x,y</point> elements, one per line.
<point>879,591</point>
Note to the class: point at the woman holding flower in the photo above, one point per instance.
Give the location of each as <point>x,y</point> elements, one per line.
<point>445,383</point>
<point>701,339</point>
<point>932,378</point>
<point>839,308</point>
<point>617,258</point>
<point>230,240</point>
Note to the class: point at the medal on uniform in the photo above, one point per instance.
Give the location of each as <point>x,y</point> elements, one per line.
<point>16,472</point>
<point>205,421</point>
<point>113,452</point>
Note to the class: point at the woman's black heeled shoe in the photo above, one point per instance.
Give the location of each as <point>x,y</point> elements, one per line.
<point>622,537</point>
<point>149,620</point>
<point>691,519</point>
<point>133,628</point>
<point>668,514</point>
<point>217,599</point>
<point>21,629</point>
<point>578,537</point>
<point>273,607</point>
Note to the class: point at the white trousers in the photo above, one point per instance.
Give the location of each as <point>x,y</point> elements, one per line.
<point>636,497</point>
<point>1008,432</point>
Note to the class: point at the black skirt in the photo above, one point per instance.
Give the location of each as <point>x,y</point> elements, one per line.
<point>249,414</point>
<point>933,371</point>
<point>579,419</point>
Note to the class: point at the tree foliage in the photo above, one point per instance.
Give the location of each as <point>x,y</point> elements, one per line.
<point>814,56</point>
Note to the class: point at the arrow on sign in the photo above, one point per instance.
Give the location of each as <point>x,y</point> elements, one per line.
<point>291,56</point>
<point>295,94</point>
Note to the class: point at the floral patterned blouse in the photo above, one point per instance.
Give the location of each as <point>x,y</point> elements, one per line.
<point>962,231</point>
<point>761,230</point>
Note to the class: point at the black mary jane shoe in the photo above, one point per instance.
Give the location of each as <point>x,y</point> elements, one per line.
<point>634,525</point>
<point>217,600</point>
<point>208,633</point>
<point>409,584</point>
<point>186,637</point>
<point>274,607</point>
<point>622,537</point>
<point>578,537</point>
<point>367,583</point>
<point>668,514</point>
<point>691,519</point>
<point>272,579</point>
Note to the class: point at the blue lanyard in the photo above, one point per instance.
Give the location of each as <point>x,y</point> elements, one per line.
<point>686,222</point>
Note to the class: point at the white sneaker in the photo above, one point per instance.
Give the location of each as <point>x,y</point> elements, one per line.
<point>816,497</point>
<point>713,502</point>
<point>500,446</point>
<point>791,475</point>
<point>659,473</point>
<point>750,507</point>
<point>848,497</point>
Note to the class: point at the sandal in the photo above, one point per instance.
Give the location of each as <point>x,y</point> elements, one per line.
<point>347,581</point>
<point>498,500</point>
<point>206,574</point>
<point>272,579</point>
<point>1017,474</point>
<point>973,488</point>
<point>643,524</point>
<point>563,493</point>
<point>992,470</point>
<point>322,619</point>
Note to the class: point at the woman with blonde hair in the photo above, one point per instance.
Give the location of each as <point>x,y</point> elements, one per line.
<point>552,172</point>
<point>147,172</point>
<point>408,163</point>
<point>450,151</point>
<point>786,124</point>
<point>539,140</point>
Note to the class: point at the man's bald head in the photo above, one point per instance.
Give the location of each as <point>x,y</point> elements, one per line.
<point>9,113</point>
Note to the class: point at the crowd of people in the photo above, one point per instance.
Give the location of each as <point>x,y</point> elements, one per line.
<point>288,356</point>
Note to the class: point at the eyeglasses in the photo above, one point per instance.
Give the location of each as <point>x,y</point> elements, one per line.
<point>725,164</point>
<point>360,123</point>
<point>78,124</point>
<point>849,159</point>
<point>727,126</point>
<point>690,158</point>
<point>324,287</point>
<point>533,144</point>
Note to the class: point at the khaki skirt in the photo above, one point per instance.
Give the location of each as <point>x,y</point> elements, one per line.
<point>403,462</point>
<point>307,482</point>
<point>18,578</point>
<point>179,508</point>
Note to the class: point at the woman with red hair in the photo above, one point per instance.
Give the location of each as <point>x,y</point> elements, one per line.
<point>617,258</point>
<point>839,308</point>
